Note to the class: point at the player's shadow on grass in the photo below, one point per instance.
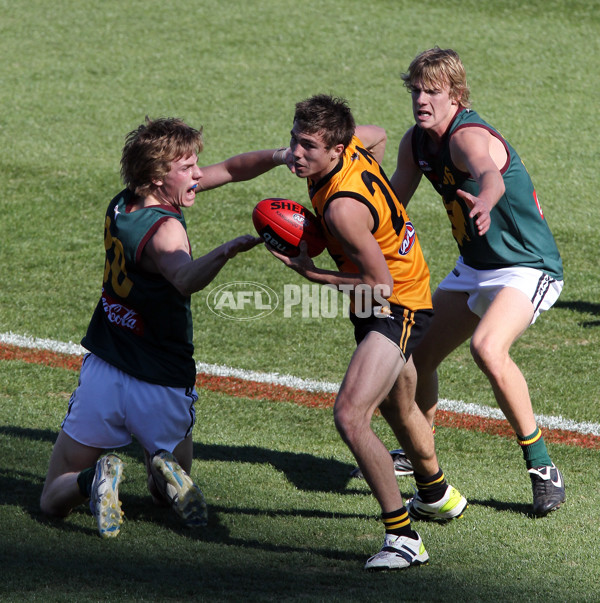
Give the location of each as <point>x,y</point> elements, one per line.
<point>582,307</point>
<point>306,471</point>
<point>502,506</point>
<point>28,433</point>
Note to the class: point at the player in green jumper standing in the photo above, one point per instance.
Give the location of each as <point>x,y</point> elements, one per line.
<point>138,377</point>
<point>509,269</point>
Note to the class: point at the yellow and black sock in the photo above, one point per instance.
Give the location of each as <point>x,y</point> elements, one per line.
<point>431,487</point>
<point>534,449</point>
<point>397,522</point>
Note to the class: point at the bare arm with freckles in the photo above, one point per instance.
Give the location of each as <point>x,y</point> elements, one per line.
<point>241,167</point>
<point>471,151</point>
<point>351,222</point>
<point>168,254</point>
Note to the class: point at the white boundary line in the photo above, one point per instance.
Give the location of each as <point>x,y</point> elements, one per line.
<point>457,406</point>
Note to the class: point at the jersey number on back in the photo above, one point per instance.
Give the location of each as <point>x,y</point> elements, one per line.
<point>115,270</point>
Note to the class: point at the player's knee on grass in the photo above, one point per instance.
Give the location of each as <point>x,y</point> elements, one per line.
<point>50,506</point>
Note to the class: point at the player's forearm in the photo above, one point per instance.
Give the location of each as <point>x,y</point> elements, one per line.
<point>348,282</point>
<point>491,187</point>
<point>197,274</point>
<point>253,163</point>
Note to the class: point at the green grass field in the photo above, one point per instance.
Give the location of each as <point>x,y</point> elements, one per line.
<point>286,523</point>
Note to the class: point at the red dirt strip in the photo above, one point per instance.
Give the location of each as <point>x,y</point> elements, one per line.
<point>242,388</point>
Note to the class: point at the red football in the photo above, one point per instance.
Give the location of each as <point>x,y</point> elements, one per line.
<point>283,224</point>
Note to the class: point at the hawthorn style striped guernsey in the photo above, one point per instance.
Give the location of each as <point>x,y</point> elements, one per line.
<point>519,235</point>
<point>142,324</point>
<point>360,177</point>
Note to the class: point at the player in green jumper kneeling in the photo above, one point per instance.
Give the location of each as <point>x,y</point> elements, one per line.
<point>138,377</point>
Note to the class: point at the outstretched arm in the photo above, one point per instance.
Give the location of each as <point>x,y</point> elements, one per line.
<point>242,167</point>
<point>470,152</point>
<point>167,253</point>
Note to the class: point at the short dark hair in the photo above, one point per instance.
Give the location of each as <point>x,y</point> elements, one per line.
<point>151,148</point>
<point>331,116</point>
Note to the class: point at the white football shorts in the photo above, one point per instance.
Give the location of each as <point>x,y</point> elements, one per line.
<point>482,286</point>
<point>109,406</point>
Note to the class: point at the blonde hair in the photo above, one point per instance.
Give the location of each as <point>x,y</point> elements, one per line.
<point>151,148</point>
<point>434,68</point>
